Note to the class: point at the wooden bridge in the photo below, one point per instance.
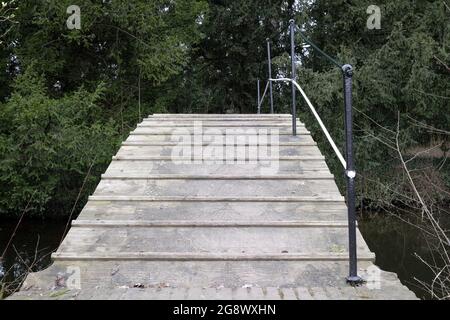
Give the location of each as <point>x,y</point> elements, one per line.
<point>213,207</point>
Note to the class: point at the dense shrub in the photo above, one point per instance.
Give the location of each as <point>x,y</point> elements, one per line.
<point>47,146</point>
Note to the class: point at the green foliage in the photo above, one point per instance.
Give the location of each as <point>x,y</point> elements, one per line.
<point>400,69</point>
<point>48,145</point>
<point>122,43</point>
<point>232,55</point>
<point>69,96</point>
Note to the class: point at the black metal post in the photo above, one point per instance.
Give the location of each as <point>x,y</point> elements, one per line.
<point>269,57</point>
<point>350,174</point>
<point>294,78</point>
<point>259,97</point>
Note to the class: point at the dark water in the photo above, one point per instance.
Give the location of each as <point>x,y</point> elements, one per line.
<point>30,250</point>
<point>393,241</point>
<point>396,244</point>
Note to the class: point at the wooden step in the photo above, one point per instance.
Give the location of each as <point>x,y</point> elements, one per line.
<point>206,223</point>
<point>170,256</point>
<point>124,166</point>
<point>101,278</point>
<point>225,158</point>
<point>222,116</point>
<point>219,151</point>
<point>219,139</point>
<point>312,175</point>
<point>214,211</point>
<point>211,243</point>
<point>225,188</point>
<point>219,122</point>
<point>221,131</point>
<point>213,143</point>
<point>216,124</point>
<point>309,199</point>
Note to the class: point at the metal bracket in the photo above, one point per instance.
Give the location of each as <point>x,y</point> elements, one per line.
<point>347,69</point>
<point>355,281</point>
<point>350,174</point>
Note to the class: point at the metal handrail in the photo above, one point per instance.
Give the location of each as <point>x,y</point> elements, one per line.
<point>319,120</point>
<point>348,161</point>
<point>312,44</point>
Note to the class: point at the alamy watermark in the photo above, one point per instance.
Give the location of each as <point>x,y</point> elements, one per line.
<point>374,20</point>
<point>372,276</point>
<point>254,148</point>
<point>74,20</point>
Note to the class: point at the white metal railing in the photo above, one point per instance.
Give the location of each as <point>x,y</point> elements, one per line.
<point>314,112</point>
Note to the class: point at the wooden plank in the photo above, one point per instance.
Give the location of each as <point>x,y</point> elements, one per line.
<point>205,144</point>
<point>150,256</point>
<point>222,131</point>
<point>134,167</point>
<point>210,224</point>
<point>334,199</point>
<point>188,138</point>
<point>312,175</point>
<point>224,116</point>
<point>210,240</point>
<point>215,211</point>
<point>218,152</point>
<point>224,160</point>
<point>207,124</point>
<point>225,188</point>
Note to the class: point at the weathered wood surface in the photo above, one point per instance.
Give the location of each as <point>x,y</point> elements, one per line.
<point>241,226</point>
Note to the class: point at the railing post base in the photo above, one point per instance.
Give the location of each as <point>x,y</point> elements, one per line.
<point>355,281</point>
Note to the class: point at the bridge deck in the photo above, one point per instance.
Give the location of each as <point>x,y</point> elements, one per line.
<point>212,207</point>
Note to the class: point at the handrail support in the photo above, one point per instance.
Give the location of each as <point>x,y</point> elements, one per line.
<point>269,62</point>
<point>294,78</point>
<point>350,174</point>
<point>259,96</point>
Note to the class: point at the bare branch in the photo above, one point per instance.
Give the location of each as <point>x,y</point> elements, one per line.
<point>442,62</point>
<point>423,152</point>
